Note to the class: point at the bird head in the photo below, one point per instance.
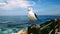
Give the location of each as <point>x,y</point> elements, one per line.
<point>29,9</point>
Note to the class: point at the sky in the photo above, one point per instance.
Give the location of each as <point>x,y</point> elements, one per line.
<point>20,7</point>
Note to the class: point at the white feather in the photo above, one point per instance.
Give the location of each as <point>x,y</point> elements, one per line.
<point>31,15</point>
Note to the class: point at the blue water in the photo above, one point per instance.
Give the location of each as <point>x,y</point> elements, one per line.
<point>9,24</point>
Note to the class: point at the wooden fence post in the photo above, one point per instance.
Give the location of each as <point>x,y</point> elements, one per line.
<point>34,29</point>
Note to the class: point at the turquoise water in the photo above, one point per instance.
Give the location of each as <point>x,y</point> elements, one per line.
<point>13,24</point>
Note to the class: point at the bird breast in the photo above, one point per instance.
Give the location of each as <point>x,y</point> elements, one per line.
<point>32,16</point>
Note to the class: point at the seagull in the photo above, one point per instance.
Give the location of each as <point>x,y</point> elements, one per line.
<point>32,16</point>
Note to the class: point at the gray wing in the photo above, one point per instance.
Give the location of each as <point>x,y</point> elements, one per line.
<point>35,15</point>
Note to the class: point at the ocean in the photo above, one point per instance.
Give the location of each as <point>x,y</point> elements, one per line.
<point>13,24</point>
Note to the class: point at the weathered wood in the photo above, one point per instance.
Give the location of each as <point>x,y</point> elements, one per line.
<point>34,29</point>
